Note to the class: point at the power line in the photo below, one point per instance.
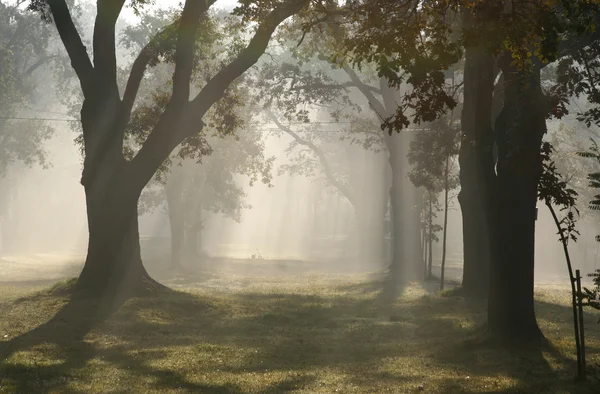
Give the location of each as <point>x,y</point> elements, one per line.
<point>38,119</point>
<point>249,124</point>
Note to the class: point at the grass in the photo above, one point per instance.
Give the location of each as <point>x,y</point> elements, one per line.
<point>302,334</point>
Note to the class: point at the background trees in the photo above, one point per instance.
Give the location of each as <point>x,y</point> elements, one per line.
<point>113,183</point>
<point>28,55</point>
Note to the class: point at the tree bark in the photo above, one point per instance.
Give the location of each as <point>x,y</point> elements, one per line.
<point>176,218</point>
<point>406,249</point>
<point>113,267</point>
<point>446,187</point>
<point>430,238</point>
<point>519,131</point>
<point>477,174</point>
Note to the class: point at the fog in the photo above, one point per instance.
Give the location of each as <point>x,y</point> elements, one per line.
<point>297,218</point>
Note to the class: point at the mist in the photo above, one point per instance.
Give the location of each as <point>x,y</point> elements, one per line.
<point>299,196</point>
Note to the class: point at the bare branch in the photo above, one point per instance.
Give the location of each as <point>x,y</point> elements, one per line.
<point>38,64</point>
<point>319,153</point>
<point>375,104</point>
<point>335,86</point>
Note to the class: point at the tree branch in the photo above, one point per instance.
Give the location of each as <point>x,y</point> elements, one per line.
<point>322,158</point>
<point>72,41</point>
<point>375,104</point>
<point>38,64</point>
<point>175,126</point>
<point>336,86</point>
<point>141,62</point>
<point>185,49</point>
<point>104,47</point>
<point>215,88</point>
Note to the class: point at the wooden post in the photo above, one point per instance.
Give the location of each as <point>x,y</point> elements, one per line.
<point>581,327</point>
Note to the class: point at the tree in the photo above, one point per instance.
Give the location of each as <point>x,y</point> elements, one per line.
<point>500,171</point>
<point>192,181</point>
<point>192,190</point>
<point>29,62</point>
<point>592,296</point>
<point>301,83</point>
<point>112,182</point>
<point>432,154</point>
<point>336,155</point>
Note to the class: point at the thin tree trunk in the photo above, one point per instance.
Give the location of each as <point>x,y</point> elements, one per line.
<point>395,218</point>
<point>177,227</point>
<point>573,290</point>
<point>446,187</point>
<point>174,192</point>
<point>424,250</point>
<point>430,240</point>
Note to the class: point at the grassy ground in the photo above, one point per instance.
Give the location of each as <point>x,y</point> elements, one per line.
<point>303,334</point>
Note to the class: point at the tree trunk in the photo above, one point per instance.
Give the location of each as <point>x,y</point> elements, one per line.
<point>477,175</point>
<point>113,267</point>
<point>446,187</point>
<point>192,242</point>
<point>430,238</point>
<point>177,226</point>
<point>519,131</point>
<point>405,215</point>
<point>396,248</point>
<point>424,249</point>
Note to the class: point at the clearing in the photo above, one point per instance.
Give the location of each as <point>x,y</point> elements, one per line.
<point>274,334</point>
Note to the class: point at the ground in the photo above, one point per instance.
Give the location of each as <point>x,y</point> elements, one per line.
<point>258,333</point>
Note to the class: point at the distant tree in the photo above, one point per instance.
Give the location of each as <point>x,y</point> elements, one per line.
<point>314,77</point>
<point>592,296</point>
<point>192,189</point>
<point>500,158</point>
<point>192,181</point>
<point>29,59</point>
<point>316,150</point>
<point>433,155</point>
<point>113,179</point>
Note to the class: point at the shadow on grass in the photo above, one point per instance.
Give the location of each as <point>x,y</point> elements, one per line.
<point>268,342</point>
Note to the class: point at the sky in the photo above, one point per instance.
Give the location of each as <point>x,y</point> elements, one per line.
<point>227,4</point>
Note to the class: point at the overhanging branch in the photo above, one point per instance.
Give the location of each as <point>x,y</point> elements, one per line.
<point>181,122</point>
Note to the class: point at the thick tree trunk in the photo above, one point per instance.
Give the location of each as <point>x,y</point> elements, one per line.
<point>477,175</point>
<point>406,249</point>
<point>519,130</point>
<point>113,267</point>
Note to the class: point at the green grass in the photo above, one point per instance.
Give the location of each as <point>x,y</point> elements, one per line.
<point>294,334</point>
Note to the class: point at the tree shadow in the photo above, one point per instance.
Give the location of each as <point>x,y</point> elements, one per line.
<point>178,339</point>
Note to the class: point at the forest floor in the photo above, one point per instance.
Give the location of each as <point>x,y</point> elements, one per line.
<point>277,334</point>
